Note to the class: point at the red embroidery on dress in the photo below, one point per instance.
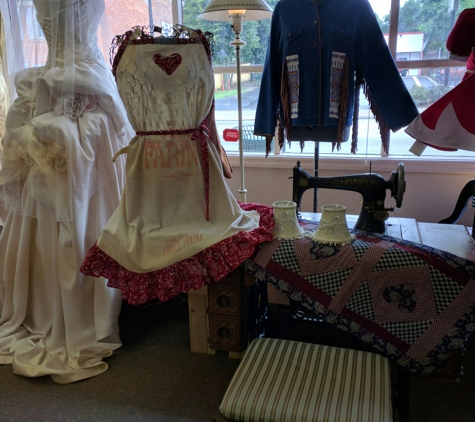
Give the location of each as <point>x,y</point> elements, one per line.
<point>167,64</point>
<point>180,175</point>
<point>168,154</point>
<point>180,242</point>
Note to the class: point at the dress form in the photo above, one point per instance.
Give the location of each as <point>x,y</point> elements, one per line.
<point>178,226</point>
<point>317,134</point>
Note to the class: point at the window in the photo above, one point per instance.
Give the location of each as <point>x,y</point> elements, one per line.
<point>35,53</point>
<point>256,35</point>
<point>118,16</point>
<point>32,26</point>
<point>418,41</point>
<point>416,33</point>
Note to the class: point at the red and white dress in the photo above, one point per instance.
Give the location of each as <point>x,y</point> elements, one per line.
<point>178,226</point>
<point>449,123</point>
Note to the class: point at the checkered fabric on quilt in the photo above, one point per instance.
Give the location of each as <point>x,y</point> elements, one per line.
<point>413,303</point>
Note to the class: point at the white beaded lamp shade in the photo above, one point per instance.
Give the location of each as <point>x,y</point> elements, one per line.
<point>333,227</point>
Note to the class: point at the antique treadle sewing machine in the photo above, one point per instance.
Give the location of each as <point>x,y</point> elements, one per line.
<point>371,186</point>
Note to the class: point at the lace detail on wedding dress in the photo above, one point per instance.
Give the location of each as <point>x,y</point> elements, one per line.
<point>74,105</point>
<point>28,109</point>
<point>17,151</point>
<point>65,49</point>
<point>56,157</point>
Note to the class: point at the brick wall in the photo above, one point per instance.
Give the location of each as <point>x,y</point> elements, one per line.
<point>119,16</point>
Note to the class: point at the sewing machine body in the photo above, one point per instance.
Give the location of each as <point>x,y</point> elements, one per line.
<point>371,186</point>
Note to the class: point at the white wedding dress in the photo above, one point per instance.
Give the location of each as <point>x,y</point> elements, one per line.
<point>60,187</point>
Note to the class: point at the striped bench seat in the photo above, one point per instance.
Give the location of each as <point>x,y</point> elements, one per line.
<point>282,381</point>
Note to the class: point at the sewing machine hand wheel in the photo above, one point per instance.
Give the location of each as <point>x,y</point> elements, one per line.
<point>397,183</point>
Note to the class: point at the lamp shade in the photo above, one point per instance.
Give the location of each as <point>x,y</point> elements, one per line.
<point>217,10</point>
<point>286,223</point>
<point>333,228</point>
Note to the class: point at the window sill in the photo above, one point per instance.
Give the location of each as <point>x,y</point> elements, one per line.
<point>354,164</point>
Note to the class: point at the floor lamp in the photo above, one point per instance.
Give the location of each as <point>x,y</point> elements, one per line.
<point>237,10</point>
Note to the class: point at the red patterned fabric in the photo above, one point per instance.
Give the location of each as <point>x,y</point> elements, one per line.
<point>203,134</point>
<point>208,266</point>
<point>413,303</point>
<point>359,274</point>
<point>167,64</point>
<point>145,39</point>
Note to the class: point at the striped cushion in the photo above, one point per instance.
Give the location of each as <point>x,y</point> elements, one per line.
<point>283,380</point>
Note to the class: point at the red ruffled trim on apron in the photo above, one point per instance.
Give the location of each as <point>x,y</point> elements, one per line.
<point>207,266</point>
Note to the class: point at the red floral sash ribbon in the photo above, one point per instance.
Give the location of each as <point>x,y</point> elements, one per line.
<point>200,133</point>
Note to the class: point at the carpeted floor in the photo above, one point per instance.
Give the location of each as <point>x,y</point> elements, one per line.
<point>155,377</point>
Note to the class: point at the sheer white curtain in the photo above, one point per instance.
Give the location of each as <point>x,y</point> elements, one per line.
<point>58,188</point>
<point>4,88</point>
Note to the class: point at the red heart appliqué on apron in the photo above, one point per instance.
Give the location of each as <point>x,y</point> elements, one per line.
<point>167,64</point>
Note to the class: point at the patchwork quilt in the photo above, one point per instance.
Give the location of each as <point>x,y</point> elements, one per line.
<point>413,303</point>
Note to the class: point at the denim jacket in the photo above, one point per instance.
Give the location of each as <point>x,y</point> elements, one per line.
<point>312,33</point>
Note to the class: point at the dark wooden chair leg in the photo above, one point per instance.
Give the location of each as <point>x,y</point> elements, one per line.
<point>258,311</point>
<point>449,372</point>
<point>402,390</point>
